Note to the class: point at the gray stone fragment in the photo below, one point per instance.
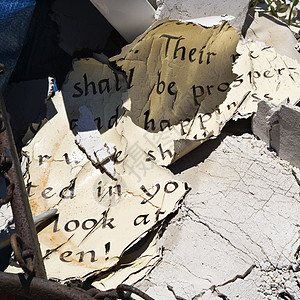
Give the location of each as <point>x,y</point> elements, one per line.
<point>289,134</point>
<point>279,128</point>
<point>261,122</point>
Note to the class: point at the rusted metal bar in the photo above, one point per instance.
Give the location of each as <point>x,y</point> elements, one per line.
<point>119,293</point>
<point>17,195</point>
<point>109,295</point>
<point>121,288</point>
<point>5,165</point>
<point>22,255</point>
<point>39,289</point>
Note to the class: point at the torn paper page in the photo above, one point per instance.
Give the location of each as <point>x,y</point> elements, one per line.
<point>265,75</point>
<point>141,260</point>
<point>176,69</point>
<point>184,81</point>
<point>265,28</point>
<point>100,218</point>
<point>100,88</point>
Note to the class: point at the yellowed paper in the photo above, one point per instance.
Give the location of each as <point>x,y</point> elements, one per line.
<point>178,69</point>
<point>184,82</point>
<point>264,75</point>
<point>187,81</point>
<point>100,215</point>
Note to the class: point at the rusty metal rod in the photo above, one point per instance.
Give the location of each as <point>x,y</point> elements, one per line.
<point>20,205</point>
<point>39,289</point>
<point>121,288</point>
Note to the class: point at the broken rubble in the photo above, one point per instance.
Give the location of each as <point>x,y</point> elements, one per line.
<point>123,109</point>
<point>278,126</point>
<point>185,10</point>
<point>242,212</point>
<point>288,139</point>
<point>263,120</point>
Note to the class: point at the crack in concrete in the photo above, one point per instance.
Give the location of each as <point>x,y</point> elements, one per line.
<point>214,231</point>
<point>250,238</point>
<point>170,288</point>
<point>239,276</point>
<point>296,175</point>
<point>220,295</point>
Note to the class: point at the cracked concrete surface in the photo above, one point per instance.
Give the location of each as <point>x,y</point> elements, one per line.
<point>237,233</point>
<point>191,9</point>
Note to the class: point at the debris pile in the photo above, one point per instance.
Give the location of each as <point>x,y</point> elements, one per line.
<point>137,164</point>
